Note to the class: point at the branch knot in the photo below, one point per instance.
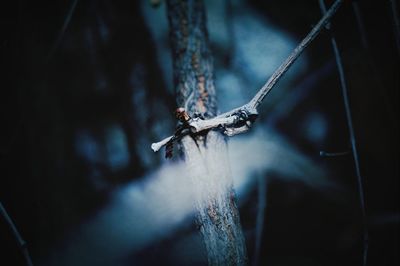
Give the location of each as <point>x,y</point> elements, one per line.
<point>232,123</point>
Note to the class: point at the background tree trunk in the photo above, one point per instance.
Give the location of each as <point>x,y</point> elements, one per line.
<point>206,155</point>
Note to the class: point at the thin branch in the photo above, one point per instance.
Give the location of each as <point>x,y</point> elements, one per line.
<point>284,67</point>
<point>376,75</point>
<point>230,119</point>
<point>352,139</point>
<point>63,29</point>
<point>396,23</point>
<point>20,241</point>
<point>333,154</point>
<point>257,99</point>
<point>360,25</point>
<point>197,125</point>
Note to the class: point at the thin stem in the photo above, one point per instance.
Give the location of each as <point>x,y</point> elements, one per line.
<point>21,242</point>
<point>370,60</point>
<point>63,29</point>
<point>396,23</point>
<point>360,25</point>
<point>333,154</point>
<point>257,99</point>
<point>352,139</point>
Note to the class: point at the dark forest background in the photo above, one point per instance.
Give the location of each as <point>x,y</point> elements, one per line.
<point>83,95</point>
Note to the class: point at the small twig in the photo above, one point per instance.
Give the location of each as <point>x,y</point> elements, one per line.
<point>63,29</point>
<point>352,140</point>
<point>396,23</point>
<point>229,120</point>
<point>370,59</point>
<point>21,242</point>
<point>333,154</point>
<point>257,99</point>
<point>197,125</point>
<point>360,25</point>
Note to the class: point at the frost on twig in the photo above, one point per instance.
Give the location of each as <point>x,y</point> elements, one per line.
<point>230,124</point>
<point>240,119</point>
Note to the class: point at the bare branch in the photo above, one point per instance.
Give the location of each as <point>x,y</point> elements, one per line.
<point>20,241</point>
<point>246,113</point>
<point>63,29</point>
<point>396,23</point>
<point>158,145</point>
<point>257,99</point>
<point>349,119</point>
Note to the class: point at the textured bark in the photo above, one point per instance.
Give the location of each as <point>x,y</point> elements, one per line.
<point>206,154</point>
<point>192,59</point>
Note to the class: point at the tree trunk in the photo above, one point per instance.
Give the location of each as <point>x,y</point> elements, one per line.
<point>205,155</point>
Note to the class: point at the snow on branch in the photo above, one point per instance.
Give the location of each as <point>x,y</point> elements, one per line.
<point>239,120</point>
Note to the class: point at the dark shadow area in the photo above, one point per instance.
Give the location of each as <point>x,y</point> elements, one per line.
<point>82,102</point>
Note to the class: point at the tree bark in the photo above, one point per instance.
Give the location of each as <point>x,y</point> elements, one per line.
<point>206,154</point>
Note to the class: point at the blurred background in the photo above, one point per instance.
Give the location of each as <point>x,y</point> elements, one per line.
<point>87,87</point>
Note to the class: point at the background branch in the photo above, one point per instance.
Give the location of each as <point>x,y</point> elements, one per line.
<point>20,241</point>
<point>349,120</point>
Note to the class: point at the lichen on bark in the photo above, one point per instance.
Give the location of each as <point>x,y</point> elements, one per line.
<point>206,154</point>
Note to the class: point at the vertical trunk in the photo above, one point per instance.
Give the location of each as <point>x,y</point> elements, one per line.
<point>206,155</point>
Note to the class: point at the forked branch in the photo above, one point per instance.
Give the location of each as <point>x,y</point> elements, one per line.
<point>240,119</point>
